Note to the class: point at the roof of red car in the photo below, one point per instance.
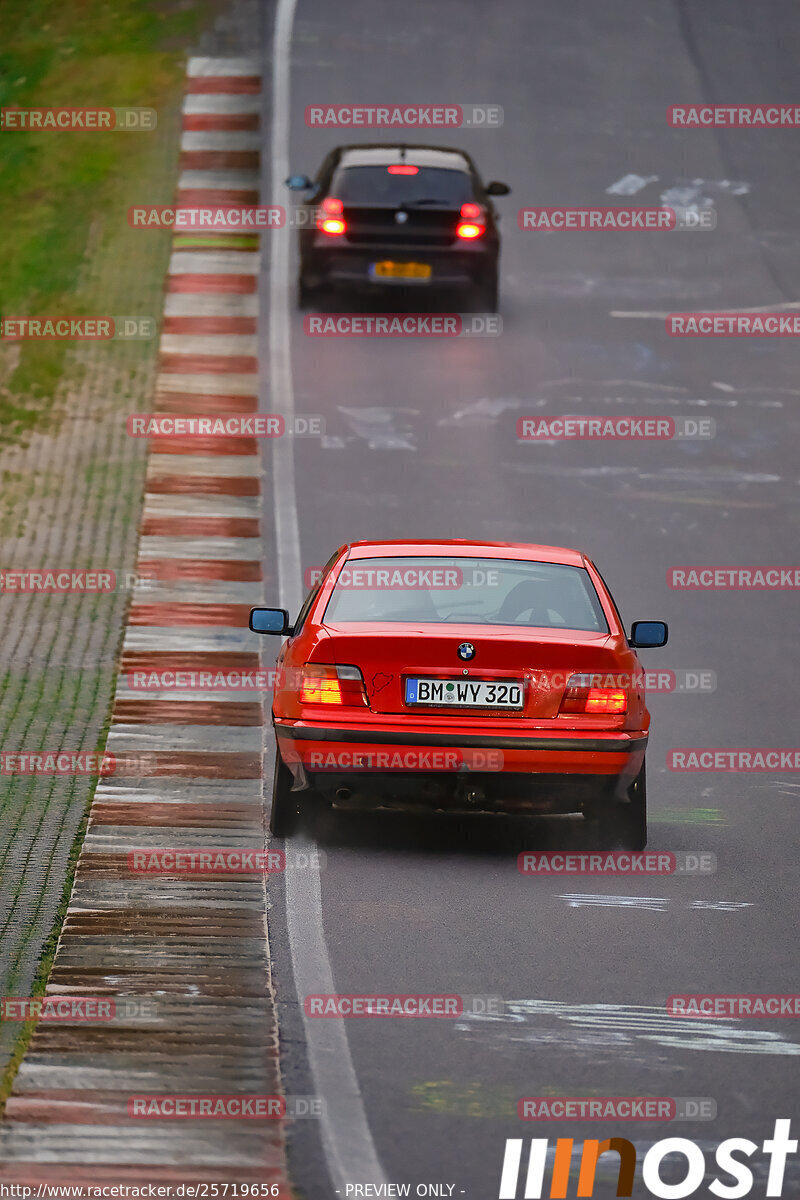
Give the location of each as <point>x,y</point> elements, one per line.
<point>522,550</point>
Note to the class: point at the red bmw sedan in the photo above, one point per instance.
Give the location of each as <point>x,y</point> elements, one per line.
<point>461,677</point>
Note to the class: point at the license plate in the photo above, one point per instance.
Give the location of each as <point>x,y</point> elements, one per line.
<point>458,693</point>
<point>400,270</point>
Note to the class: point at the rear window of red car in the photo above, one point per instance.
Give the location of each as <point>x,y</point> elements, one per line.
<point>486,591</point>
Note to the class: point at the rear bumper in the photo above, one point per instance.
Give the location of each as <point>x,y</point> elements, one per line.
<point>349,266</point>
<point>543,771</point>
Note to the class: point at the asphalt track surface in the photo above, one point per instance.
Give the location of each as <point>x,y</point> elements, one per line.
<point>421,442</point>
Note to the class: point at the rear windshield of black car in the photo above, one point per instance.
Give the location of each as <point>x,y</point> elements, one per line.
<point>375,185</point>
<point>482,591</point>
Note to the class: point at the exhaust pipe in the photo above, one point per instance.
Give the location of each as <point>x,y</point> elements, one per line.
<point>343,793</point>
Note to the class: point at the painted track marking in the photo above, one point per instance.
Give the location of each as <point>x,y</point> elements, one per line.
<point>346,1138</point>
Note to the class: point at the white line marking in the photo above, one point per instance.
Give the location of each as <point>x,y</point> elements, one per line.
<point>220,139</point>
<point>232,465</point>
<point>210,304</point>
<point>589,900</point>
<point>198,638</point>
<point>755,308</point>
<point>219,262</point>
<point>223,68</point>
<point>223,384</point>
<point>227,548</point>
<point>576,1026</point>
<point>281,384</point>
<point>181,504</point>
<point>728,387</point>
<point>346,1138</point>
<point>217,180</point>
<point>629,185</point>
<point>690,196</point>
<point>209,343</point>
<point>637,383</point>
<point>179,791</point>
<point>376,427</point>
<point>485,410</point>
<point>233,739</point>
<point>648,903</point>
<point>221,103</point>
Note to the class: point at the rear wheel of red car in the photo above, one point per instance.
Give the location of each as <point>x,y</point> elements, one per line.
<point>622,825</point>
<point>291,811</point>
<point>634,820</point>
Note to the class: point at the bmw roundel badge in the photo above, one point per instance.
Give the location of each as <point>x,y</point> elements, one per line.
<point>401,217</point>
<point>466,651</point>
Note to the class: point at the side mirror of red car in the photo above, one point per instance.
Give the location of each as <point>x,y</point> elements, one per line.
<point>646,634</point>
<point>271,620</point>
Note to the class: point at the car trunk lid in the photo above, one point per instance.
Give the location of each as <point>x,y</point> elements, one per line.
<point>542,660</point>
<point>396,225</point>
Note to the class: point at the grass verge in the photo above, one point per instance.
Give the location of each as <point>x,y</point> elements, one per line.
<point>58,186</point>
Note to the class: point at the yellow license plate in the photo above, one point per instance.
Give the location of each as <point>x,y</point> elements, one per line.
<point>401,270</point>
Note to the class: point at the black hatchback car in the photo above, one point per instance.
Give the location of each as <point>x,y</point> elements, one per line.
<point>379,216</point>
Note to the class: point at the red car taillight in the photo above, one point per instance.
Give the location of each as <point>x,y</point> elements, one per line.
<point>321,684</point>
<point>329,217</point>
<point>471,223</point>
<point>582,697</point>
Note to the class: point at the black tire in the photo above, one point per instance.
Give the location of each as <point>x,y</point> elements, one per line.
<point>633,820</point>
<point>623,825</point>
<point>486,296</point>
<point>284,818</point>
<point>489,295</point>
<point>307,296</point>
